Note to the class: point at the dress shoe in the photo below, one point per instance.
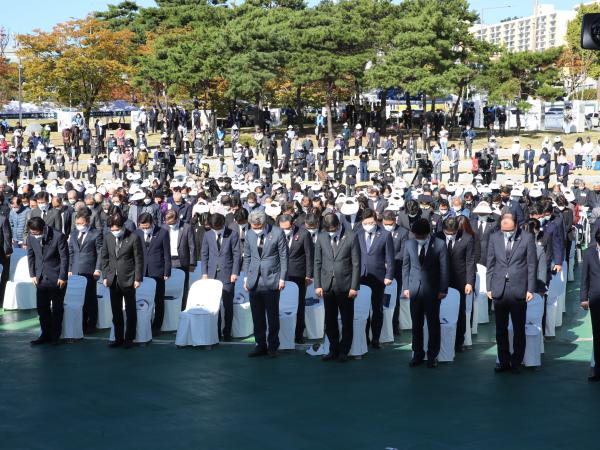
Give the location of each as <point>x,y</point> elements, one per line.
<point>328,357</point>
<point>376,345</point>
<point>415,362</point>
<point>128,344</point>
<point>38,341</point>
<point>272,353</point>
<point>342,357</point>
<point>115,344</point>
<point>156,332</point>
<point>299,341</point>
<point>227,339</point>
<point>432,363</point>
<point>257,352</point>
<point>500,369</point>
<point>594,378</point>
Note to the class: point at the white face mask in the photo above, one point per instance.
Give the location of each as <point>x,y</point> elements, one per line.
<point>421,241</point>
<point>388,227</point>
<point>332,233</point>
<point>457,208</point>
<point>174,226</point>
<point>483,217</point>
<point>312,231</point>
<point>287,232</point>
<point>43,207</point>
<point>82,228</point>
<point>508,234</point>
<point>412,216</point>
<point>38,236</point>
<point>443,212</point>
<point>72,201</point>
<point>258,231</point>
<point>147,201</point>
<point>368,228</point>
<point>147,232</point>
<point>251,205</point>
<point>117,234</point>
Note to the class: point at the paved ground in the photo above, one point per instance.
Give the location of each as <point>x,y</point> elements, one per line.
<point>87,396</point>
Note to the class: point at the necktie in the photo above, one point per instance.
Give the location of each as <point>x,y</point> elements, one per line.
<point>148,237</point>
<point>44,215</point>
<point>334,244</point>
<point>261,241</point>
<point>80,240</point>
<point>219,241</point>
<point>450,245</point>
<point>369,241</point>
<point>508,248</point>
<point>422,255</point>
<point>117,245</point>
<point>480,228</point>
<point>289,241</point>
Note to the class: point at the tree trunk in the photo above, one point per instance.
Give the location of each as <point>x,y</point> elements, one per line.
<point>258,109</point>
<point>432,104</point>
<point>455,106</point>
<point>329,101</point>
<point>87,113</point>
<point>299,109</point>
<point>382,112</point>
<point>407,98</point>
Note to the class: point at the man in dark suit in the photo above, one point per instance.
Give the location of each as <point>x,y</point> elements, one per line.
<point>399,237</point>
<point>589,295</point>
<point>350,215</point>
<point>123,272</point>
<point>300,265</point>
<point>337,280</point>
<point>221,261</point>
<point>157,263</point>
<point>265,269</point>
<point>85,250</point>
<point>461,262</point>
<point>6,250</point>
<point>484,225</point>
<point>59,217</point>
<point>376,203</point>
<point>12,170</point>
<point>48,259</point>
<point>511,282</point>
<point>183,249</point>
<point>425,275</point>
<point>376,267</point>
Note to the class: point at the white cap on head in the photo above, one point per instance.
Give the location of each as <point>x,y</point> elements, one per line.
<point>482,208</point>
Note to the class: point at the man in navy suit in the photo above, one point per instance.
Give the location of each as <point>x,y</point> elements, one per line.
<point>589,295</point>
<point>300,264</point>
<point>48,259</point>
<point>425,277</point>
<point>221,261</point>
<point>399,237</point>
<point>529,157</point>
<point>157,263</point>
<point>85,250</point>
<point>511,282</point>
<point>183,249</point>
<point>265,270</point>
<point>376,267</point>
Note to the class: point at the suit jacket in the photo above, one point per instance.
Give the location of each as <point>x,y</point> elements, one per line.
<point>553,241</point>
<point>432,277</point>
<point>6,248</point>
<point>48,257</point>
<point>461,261</point>
<point>301,254</point>
<point>221,264</point>
<point>379,260</point>
<point>516,275</point>
<point>263,271</point>
<point>59,219</point>
<point>157,254</point>
<point>590,289</point>
<point>380,207</point>
<point>399,236</point>
<point>337,272</point>
<point>482,239</point>
<point>184,210</point>
<point>87,258</point>
<point>346,222</point>
<point>128,264</point>
<point>186,247</point>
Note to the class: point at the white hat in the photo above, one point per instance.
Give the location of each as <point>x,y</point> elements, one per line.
<point>494,186</point>
<point>290,127</point>
<point>358,126</point>
<point>569,196</point>
<point>535,193</point>
<point>273,209</point>
<point>556,138</point>
<point>139,195</point>
<point>482,208</point>
<point>516,139</point>
<point>234,127</point>
<point>542,162</point>
<point>349,207</point>
<point>516,193</point>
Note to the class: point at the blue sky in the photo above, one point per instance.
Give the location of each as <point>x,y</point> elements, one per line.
<point>22,16</point>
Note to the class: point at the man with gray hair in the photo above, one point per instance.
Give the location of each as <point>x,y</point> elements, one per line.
<point>265,269</point>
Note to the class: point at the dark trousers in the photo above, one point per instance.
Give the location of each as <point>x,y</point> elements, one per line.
<point>595,316</point>
<point>396,314</point>
<point>529,169</point>
<point>515,159</point>
<point>421,307</point>
<point>4,278</point>
<point>227,299</point>
<point>117,295</point>
<point>461,326</point>
<point>375,322</point>
<point>49,302</point>
<point>338,302</point>
<point>265,303</point>
<point>301,282</point>
<point>159,303</point>
<point>517,310</point>
<point>186,282</point>
<point>90,304</point>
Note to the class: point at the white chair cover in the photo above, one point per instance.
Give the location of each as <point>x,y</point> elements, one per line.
<point>533,332</point>
<point>144,303</point>
<point>483,315</point>
<point>20,292</point>
<point>72,325</point>
<point>562,307</point>
<point>389,299</point>
<point>468,311</point>
<point>448,321</point>
<point>174,288</point>
<point>198,324</point>
<point>362,307</point>
<point>288,312</point>
<point>314,315</point>
<point>242,325</point>
<point>556,291</point>
<point>104,308</point>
